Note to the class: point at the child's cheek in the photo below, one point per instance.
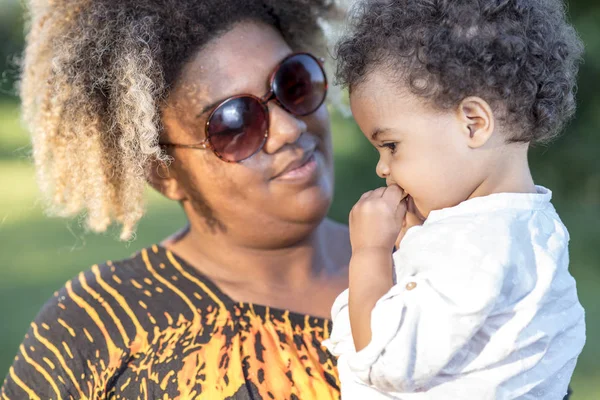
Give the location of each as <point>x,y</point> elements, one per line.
<point>398,171</point>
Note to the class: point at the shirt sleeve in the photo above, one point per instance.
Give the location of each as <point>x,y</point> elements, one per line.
<point>445,291</point>
<point>340,341</point>
<point>64,354</point>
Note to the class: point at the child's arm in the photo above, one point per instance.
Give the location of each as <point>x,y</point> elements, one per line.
<point>417,328</point>
<point>370,278</point>
<point>375,223</point>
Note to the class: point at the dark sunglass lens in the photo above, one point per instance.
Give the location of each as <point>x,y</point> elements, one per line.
<point>237,128</point>
<point>300,84</point>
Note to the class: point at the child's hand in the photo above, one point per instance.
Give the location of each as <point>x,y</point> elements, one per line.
<point>411,218</point>
<point>377,218</point>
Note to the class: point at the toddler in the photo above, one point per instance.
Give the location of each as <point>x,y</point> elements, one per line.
<point>477,301</point>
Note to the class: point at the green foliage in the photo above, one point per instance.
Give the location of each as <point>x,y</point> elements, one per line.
<point>11,44</point>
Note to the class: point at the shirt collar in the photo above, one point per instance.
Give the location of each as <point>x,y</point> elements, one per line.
<point>495,202</point>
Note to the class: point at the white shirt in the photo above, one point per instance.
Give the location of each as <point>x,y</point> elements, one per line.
<point>483,308</point>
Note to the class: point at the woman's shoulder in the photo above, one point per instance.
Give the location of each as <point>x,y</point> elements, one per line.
<point>101,318</point>
<point>152,289</point>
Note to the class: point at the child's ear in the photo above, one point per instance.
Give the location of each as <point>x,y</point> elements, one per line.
<point>477,119</point>
<point>161,179</point>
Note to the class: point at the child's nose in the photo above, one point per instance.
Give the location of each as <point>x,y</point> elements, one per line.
<point>382,169</point>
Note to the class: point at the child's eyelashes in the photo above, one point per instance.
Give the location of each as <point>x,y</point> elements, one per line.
<point>390,146</point>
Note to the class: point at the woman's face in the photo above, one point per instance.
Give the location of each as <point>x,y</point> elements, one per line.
<point>267,199</point>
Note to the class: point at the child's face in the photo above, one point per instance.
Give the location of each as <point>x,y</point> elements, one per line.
<point>422,149</point>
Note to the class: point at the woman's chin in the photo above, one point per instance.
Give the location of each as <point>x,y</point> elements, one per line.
<point>305,200</point>
<point>310,206</point>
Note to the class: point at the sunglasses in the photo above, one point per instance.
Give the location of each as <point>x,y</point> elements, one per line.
<point>238,127</point>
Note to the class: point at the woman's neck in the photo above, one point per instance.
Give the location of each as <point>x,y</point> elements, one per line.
<point>290,268</point>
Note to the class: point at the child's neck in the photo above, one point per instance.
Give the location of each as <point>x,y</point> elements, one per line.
<point>509,173</point>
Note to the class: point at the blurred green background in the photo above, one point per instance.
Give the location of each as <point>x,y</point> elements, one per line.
<point>38,254</point>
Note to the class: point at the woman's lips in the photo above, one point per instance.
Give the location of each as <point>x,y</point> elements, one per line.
<point>302,172</point>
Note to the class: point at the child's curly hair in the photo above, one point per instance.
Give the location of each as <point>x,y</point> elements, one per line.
<point>94,75</point>
<point>521,56</point>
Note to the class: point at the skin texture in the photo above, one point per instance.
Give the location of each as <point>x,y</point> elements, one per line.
<point>261,238</point>
<point>431,158</point>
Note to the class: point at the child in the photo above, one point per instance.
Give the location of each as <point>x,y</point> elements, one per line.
<point>477,302</point>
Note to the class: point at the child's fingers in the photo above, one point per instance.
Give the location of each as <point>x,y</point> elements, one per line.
<point>400,213</point>
<point>410,220</point>
<point>372,193</point>
<point>379,192</point>
<point>366,195</point>
<point>393,194</point>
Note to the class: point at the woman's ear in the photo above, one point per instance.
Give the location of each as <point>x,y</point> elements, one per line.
<point>478,121</point>
<point>163,179</point>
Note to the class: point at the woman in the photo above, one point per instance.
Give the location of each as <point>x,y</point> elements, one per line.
<point>215,104</point>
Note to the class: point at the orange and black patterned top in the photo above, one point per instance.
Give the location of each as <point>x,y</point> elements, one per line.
<point>152,327</point>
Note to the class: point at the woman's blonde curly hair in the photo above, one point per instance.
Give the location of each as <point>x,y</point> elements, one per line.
<point>94,75</point>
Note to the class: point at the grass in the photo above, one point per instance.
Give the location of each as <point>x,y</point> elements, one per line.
<point>39,253</point>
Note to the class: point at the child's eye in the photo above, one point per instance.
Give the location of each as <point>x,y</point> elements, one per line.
<point>390,146</point>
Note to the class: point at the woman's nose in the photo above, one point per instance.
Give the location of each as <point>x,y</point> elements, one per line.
<point>284,128</point>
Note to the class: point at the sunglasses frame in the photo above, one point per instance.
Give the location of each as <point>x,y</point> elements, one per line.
<point>264,101</point>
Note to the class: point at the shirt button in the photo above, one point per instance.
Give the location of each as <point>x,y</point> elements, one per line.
<point>411,285</point>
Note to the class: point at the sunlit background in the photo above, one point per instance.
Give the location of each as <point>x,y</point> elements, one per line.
<point>39,254</point>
